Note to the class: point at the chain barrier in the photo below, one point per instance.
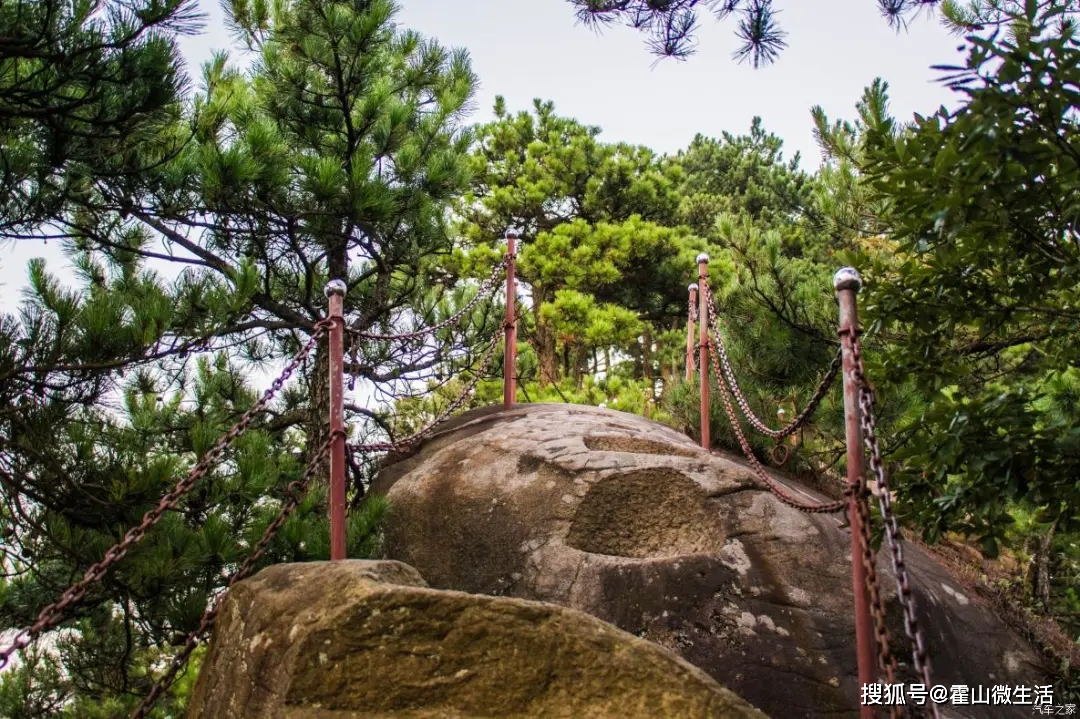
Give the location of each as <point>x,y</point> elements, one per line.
<point>51,615</point>
<point>775,487</point>
<point>744,406</point>
<point>487,287</point>
<point>691,360</point>
<point>920,658</point>
<point>886,660</point>
<point>441,417</point>
<point>296,491</point>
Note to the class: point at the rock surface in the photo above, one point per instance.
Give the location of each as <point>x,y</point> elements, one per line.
<point>631,522</point>
<point>362,639</point>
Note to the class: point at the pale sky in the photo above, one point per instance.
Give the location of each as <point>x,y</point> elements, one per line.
<point>525,49</point>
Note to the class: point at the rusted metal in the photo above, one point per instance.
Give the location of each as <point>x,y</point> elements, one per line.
<point>691,317</point>
<point>704,298</point>
<point>847,283</point>
<point>510,352</point>
<point>335,292</point>
<point>760,472</point>
<point>886,661</point>
<point>919,654</point>
<point>295,491</point>
<point>54,613</point>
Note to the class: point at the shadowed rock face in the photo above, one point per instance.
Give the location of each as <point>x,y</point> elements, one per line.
<point>631,522</point>
<point>358,640</point>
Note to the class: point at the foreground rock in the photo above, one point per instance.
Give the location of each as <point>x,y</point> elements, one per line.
<point>369,639</point>
<point>631,522</point>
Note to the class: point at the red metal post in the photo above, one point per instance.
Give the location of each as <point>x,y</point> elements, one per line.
<point>510,351</point>
<point>847,283</point>
<point>335,291</point>
<point>703,344</point>
<point>690,335</point>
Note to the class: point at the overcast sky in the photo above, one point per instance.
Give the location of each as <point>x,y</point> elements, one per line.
<point>525,49</point>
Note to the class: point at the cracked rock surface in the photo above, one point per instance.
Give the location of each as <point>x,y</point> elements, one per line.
<point>630,521</point>
<point>362,639</point>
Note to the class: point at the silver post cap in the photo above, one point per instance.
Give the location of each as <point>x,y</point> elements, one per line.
<point>512,234</point>
<point>847,278</point>
<point>335,287</point>
<point>692,287</point>
<point>703,258</point>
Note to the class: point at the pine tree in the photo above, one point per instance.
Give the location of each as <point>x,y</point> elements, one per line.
<point>83,85</point>
<point>978,292</point>
<point>335,157</point>
<point>601,251</point>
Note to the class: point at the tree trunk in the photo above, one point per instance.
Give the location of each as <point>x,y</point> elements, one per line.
<point>546,351</point>
<point>646,361</point>
<point>1041,585</point>
<point>580,365</point>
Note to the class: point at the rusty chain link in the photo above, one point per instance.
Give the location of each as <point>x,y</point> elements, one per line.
<point>691,360</point>
<point>920,658</point>
<point>296,491</point>
<point>487,287</point>
<point>778,490</point>
<point>51,615</point>
<point>442,416</point>
<point>755,422</point>
<point>885,658</point>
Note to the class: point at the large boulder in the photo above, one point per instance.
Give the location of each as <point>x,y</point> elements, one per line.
<point>633,523</point>
<point>357,640</point>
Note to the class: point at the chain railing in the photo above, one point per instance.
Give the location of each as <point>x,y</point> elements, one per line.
<point>757,423</point>
<point>54,613</point>
<point>778,489</point>
<point>885,658</point>
<point>409,441</point>
<point>858,493</point>
<point>487,288</point>
<point>920,658</point>
<point>296,491</point>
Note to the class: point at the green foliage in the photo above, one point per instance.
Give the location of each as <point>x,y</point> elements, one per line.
<point>336,156</point>
<point>601,251</point>
<point>86,89</point>
<point>963,223</point>
<point>97,477</point>
<point>979,297</point>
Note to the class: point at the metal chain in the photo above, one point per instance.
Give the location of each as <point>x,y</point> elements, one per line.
<point>919,654</point>
<point>758,424</point>
<point>886,660</point>
<point>488,287</point>
<point>51,615</point>
<point>296,491</point>
<point>775,487</point>
<point>439,419</point>
<point>693,315</point>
